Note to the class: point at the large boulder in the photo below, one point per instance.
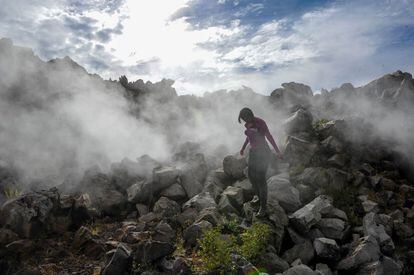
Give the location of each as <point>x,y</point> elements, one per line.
<point>299,124</point>
<point>373,228</point>
<point>365,251</point>
<point>148,251</point>
<point>326,249</point>
<point>309,215</point>
<point>175,192</point>
<point>299,152</point>
<point>300,270</point>
<point>120,261</point>
<point>166,207</point>
<point>140,192</point>
<point>30,214</point>
<point>164,177</point>
<point>281,190</point>
<point>193,175</point>
<point>200,201</point>
<point>384,265</point>
<point>304,251</point>
<point>234,166</point>
<point>332,228</point>
<point>234,196</point>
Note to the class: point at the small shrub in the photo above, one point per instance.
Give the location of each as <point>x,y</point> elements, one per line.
<point>319,123</point>
<point>254,241</point>
<point>215,252</point>
<point>12,192</point>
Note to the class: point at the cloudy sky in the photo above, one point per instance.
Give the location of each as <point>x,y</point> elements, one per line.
<point>207,45</point>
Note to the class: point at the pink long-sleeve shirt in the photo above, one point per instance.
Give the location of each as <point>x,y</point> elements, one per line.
<point>256,136</point>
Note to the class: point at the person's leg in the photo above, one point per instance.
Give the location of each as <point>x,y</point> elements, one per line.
<point>252,172</point>
<point>262,183</point>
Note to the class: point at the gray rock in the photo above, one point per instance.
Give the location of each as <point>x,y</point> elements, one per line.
<point>225,206</point>
<point>333,145</point>
<point>193,175</point>
<point>366,250</point>
<point>175,192</point>
<point>273,263</point>
<point>299,270</point>
<point>247,188</point>
<point>326,249</point>
<point>323,269</point>
<point>29,214</point>
<point>7,236</point>
<point>211,215</point>
<point>139,192</point>
<point>298,152</point>
<point>370,206</point>
<point>304,218</point>
<point>338,160</point>
<point>336,213</point>
<point>148,251</point>
<point>194,232</point>
<point>281,190</point>
<point>295,236</point>
<point>235,195</point>
<point>142,209</point>
<point>233,166</point>
<point>373,228</point>
<point>303,251</point>
<point>299,121</point>
<point>164,177</point>
<point>119,262</point>
<point>163,232</point>
<point>166,207</point>
<point>200,201</point>
<point>332,228</point>
<point>384,266</point>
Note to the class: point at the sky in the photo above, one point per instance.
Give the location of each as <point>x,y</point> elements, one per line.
<point>206,45</point>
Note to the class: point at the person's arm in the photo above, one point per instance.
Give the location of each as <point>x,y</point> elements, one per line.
<point>244,146</point>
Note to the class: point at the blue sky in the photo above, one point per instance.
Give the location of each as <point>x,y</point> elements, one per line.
<point>207,45</point>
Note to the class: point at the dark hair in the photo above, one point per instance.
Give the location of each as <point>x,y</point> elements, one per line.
<point>246,114</point>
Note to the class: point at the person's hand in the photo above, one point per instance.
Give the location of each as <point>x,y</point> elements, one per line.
<point>241,152</point>
<point>279,155</point>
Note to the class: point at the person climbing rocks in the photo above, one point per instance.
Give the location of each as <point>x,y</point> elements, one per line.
<point>259,154</point>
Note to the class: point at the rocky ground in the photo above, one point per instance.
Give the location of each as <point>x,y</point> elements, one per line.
<point>340,202</point>
<point>335,207</point>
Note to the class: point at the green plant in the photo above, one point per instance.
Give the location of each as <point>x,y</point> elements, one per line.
<point>215,252</point>
<point>254,240</point>
<point>296,170</point>
<point>12,192</point>
<point>231,225</point>
<point>319,123</point>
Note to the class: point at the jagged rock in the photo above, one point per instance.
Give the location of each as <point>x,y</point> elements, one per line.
<point>7,236</point>
<point>384,266</point>
<point>29,214</point>
<point>298,152</point>
<point>166,207</point>
<point>193,175</point>
<point>164,177</point>
<point>332,228</point>
<point>338,160</point>
<point>323,269</point>
<point>326,249</point>
<point>84,242</point>
<point>273,263</point>
<point>225,206</point>
<point>163,232</point>
<point>304,218</point>
<point>247,188</point>
<point>334,128</point>
<point>284,192</point>
<point>234,166</point>
<point>195,231</point>
<point>295,236</point>
<point>119,262</point>
<point>142,209</point>
<point>291,94</point>
<point>211,215</point>
<point>402,230</point>
<point>200,201</point>
<point>148,251</point>
<point>233,196</point>
<point>370,206</point>
<point>299,270</point>
<point>376,230</point>
<point>303,251</point>
<point>104,196</point>
<point>332,145</point>
<point>139,192</point>
<point>336,213</point>
<point>299,121</point>
<point>174,192</point>
<point>366,250</point>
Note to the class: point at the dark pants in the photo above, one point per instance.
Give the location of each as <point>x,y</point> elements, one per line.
<point>259,159</point>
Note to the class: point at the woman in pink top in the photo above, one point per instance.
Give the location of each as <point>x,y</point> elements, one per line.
<point>259,154</point>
